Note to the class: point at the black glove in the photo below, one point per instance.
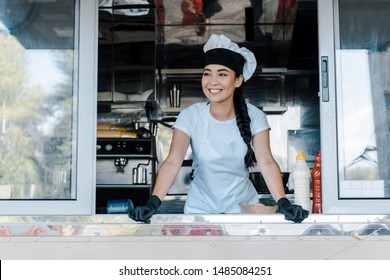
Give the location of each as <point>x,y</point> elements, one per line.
<point>145,212</point>
<point>292,212</point>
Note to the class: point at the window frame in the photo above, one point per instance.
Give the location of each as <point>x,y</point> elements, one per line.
<point>84,119</point>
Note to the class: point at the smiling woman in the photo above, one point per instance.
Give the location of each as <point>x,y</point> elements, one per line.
<point>227,136</point>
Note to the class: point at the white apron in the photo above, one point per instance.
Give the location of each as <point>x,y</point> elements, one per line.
<point>221,180</point>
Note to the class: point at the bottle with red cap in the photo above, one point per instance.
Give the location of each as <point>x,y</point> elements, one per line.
<point>317,185</point>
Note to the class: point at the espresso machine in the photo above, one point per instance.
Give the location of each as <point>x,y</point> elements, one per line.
<point>125,170</point>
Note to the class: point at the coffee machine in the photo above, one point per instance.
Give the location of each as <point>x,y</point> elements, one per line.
<point>125,169</point>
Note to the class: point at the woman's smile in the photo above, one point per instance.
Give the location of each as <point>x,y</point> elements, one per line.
<point>215,90</point>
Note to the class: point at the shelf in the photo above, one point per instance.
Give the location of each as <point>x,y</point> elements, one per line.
<point>172,109</point>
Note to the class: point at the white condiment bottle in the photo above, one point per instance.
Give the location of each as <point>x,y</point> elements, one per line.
<point>301,178</point>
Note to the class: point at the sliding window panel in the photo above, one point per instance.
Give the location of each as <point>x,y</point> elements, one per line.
<point>47,97</point>
<point>355,104</point>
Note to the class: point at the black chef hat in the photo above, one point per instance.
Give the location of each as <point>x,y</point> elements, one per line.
<point>225,57</point>
<point>221,50</point>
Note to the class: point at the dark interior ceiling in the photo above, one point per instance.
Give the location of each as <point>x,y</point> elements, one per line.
<point>304,42</point>
<point>50,25</point>
<point>299,53</point>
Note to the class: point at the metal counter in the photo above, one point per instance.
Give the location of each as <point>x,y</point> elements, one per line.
<point>354,226</point>
<point>171,236</point>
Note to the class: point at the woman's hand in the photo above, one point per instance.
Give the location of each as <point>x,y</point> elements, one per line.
<point>145,212</point>
<point>292,212</point>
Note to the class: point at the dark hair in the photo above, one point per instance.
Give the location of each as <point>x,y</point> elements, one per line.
<point>243,123</point>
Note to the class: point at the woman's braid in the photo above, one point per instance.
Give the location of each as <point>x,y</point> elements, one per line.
<point>243,123</point>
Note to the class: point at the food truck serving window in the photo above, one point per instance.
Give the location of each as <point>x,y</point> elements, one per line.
<point>41,90</point>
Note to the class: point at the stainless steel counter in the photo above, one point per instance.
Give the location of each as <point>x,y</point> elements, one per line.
<point>170,236</point>
<point>359,226</point>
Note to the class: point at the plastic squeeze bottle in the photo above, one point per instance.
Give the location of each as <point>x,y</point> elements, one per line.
<point>301,177</point>
<point>317,185</point>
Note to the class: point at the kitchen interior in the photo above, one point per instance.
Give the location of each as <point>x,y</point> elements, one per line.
<point>149,69</point>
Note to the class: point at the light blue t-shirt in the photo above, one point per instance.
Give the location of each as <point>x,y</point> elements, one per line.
<point>191,122</point>
<point>207,193</point>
